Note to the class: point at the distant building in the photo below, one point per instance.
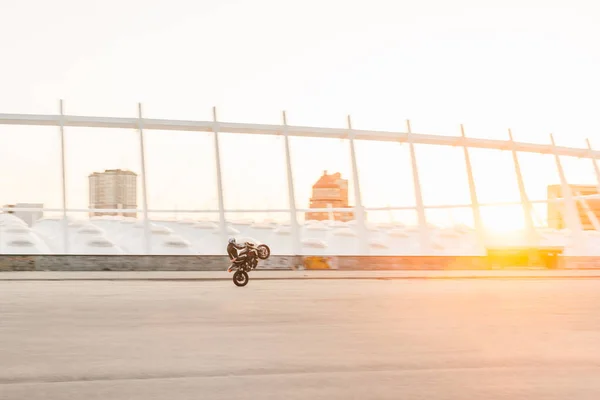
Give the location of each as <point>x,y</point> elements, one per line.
<point>555,210</point>
<point>113,189</point>
<point>330,191</point>
<point>28,216</point>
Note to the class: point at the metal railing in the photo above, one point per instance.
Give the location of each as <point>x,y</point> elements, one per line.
<point>139,123</point>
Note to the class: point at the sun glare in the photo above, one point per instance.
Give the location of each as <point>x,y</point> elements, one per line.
<point>502,219</point>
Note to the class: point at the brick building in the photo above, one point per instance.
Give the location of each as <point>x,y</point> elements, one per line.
<point>330,191</point>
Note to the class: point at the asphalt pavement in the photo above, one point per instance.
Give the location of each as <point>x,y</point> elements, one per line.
<point>516,273</point>
<point>315,339</point>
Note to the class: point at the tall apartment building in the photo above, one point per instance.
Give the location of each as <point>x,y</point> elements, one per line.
<point>330,191</point>
<point>555,210</point>
<point>113,189</point>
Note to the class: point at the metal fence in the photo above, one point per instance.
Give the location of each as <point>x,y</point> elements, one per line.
<point>63,121</point>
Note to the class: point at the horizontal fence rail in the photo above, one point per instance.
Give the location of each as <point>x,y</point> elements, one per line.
<point>287,210</point>
<point>290,130</point>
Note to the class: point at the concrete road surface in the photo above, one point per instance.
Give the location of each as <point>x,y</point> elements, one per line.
<point>300,339</point>
<point>519,273</point>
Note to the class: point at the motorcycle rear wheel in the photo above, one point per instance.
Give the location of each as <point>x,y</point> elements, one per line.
<point>263,251</point>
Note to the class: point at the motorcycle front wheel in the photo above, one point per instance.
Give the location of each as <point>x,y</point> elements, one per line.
<point>240,278</point>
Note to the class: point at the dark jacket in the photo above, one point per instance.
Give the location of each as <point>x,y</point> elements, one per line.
<point>232,250</point>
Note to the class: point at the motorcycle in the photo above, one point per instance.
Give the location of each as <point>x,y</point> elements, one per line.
<point>253,252</point>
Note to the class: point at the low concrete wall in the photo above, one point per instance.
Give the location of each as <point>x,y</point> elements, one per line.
<point>579,262</point>
<point>17,263</point>
<point>219,263</point>
<point>411,263</point>
<point>132,263</point>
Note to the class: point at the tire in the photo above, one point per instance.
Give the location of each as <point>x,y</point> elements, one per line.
<point>240,278</point>
<point>264,251</point>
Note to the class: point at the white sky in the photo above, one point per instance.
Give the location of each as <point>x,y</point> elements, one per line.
<point>528,65</point>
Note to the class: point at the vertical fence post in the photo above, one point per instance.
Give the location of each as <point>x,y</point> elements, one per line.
<point>421,217</point>
<point>596,169</point>
<point>147,233</point>
<point>473,193</point>
<point>359,213</point>
<point>291,193</point>
<point>532,239</point>
<point>63,178</point>
<point>222,221</point>
<point>571,213</point>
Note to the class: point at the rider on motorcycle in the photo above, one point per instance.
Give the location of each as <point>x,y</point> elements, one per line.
<point>232,251</point>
